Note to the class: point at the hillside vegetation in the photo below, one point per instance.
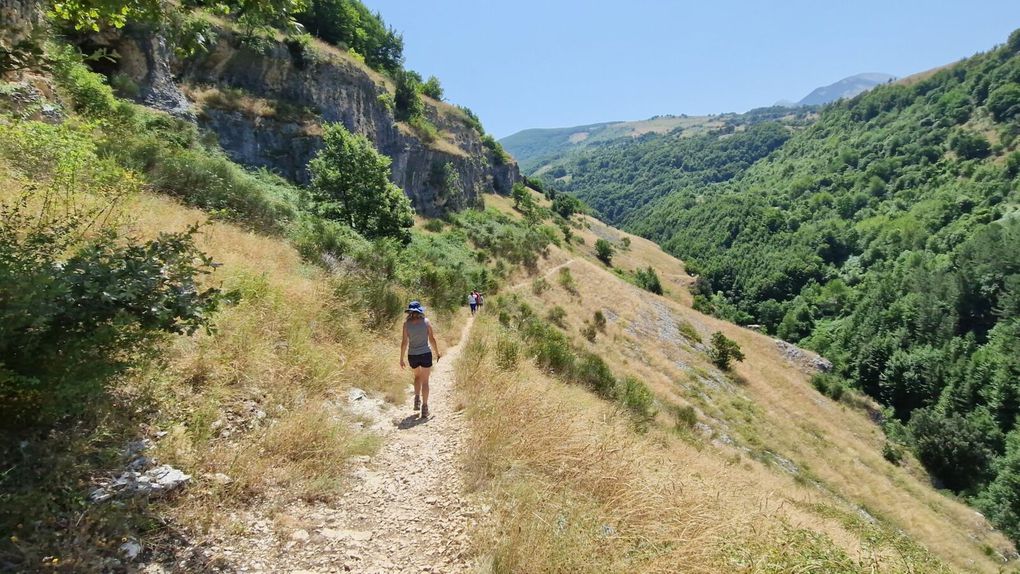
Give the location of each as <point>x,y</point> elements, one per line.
<point>885,237</point>
<point>616,444</point>
<point>541,150</point>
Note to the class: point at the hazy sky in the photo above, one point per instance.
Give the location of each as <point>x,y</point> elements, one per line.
<point>550,63</point>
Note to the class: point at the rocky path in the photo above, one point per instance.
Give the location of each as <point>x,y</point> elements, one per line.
<point>405,510</point>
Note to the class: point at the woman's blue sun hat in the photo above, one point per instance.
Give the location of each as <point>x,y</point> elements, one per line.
<point>415,307</point>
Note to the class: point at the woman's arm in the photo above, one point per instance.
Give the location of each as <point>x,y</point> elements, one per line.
<point>432,341</point>
<point>403,346</point>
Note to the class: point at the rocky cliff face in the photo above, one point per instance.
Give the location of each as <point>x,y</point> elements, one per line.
<point>17,20</point>
<point>267,105</point>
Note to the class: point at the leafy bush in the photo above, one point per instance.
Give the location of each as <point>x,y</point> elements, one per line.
<point>407,100</point>
<point>599,321</point>
<point>684,417</point>
<point>434,225</point>
<point>648,280</point>
<point>594,373</point>
<point>557,315</point>
<point>892,452</point>
<point>77,307</point>
<point>566,281</point>
<point>317,239</point>
<point>507,352</point>
<point>724,350</point>
<point>432,88</point>
<point>604,251</point>
<point>688,331</point>
<point>496,151</point>
<point>425,129</point>
<point>638,399</point>
<point>552,349</point>
<point>92,96</point>
<point>969,145</point>
<point>589,332</point>
<point>539,285</point>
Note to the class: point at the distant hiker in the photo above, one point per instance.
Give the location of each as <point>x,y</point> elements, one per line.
<point>473,302</point>
<point>418,343</point>
<point>478,300</point>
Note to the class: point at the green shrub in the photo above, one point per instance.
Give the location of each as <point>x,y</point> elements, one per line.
<point>604,251</point>
<point>592,372</point>
<point>567,281</point>
<point>508,349</point>
<point>539,285</point>
<point>77,310</point>
<point>557,315</point>
<point>892,452</point>
<point>92,97</point>
<point>316,238</point>
<point>432,88</point>
<point>214,183</point>
<point>648,280</point>
<point>407,99</point>
<point>589,332</point>
<point>829,385</point>
<point>496,151</point>
<point>724,350</point>
<point>554,353</point>
<point>688,331</point>
<point>434,225</point>
<point>425,129</point>
<point>599,320</point>
<point>638,399</point>
<point>684,417</point>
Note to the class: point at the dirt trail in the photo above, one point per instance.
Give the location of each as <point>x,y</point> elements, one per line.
<point>405,510</point>
<point>545,275</point>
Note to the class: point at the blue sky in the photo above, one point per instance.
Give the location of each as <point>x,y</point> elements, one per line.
<point>531,63</point>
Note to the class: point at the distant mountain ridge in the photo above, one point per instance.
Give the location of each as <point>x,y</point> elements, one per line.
<point>846,88</point>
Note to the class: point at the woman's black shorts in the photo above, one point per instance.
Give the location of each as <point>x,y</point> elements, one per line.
<point>416,361</point>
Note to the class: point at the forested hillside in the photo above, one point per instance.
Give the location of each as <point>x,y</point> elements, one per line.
<point>887,237</point>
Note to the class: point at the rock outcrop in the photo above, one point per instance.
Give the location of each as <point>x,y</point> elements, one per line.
<point>266,105</point>
<point>17,20</point>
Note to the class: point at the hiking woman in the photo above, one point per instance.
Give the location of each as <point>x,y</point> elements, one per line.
<point>473,301</point>
<point>418,343</point>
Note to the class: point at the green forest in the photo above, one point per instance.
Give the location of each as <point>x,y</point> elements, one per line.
<point>885,235</point>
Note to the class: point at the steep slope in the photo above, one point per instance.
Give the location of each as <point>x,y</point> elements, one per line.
<point>750,470</point>
<point>846,88</point>
<point>882,236</point>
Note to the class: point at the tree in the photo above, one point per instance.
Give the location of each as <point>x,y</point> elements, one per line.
<point>407,100</point>
<point>604,251</point>
<point>350,183</point>
<point>432,88</point>
<point>1004,102</point>
<point>724,350</point>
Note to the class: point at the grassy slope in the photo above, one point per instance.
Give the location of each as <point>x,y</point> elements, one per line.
<point>767,409</point>
<point>535,147</point>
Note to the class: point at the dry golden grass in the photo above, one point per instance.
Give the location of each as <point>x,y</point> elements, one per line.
<point>262,400</point>
<point>752,422</point>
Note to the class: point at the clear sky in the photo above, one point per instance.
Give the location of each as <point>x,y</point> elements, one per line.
<point>554,63</point>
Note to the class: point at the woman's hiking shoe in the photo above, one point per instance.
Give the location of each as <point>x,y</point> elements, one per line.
<point>417,402</point>
<point>424,411</point>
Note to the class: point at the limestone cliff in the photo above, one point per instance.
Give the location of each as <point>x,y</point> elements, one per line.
<point>266,105</point>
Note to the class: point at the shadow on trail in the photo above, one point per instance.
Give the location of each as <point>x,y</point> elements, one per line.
<point>411,421</point>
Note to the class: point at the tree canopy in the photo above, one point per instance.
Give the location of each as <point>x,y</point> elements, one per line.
<point>350,183</point>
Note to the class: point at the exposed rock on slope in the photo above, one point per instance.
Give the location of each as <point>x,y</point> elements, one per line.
<point>266,107</point>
